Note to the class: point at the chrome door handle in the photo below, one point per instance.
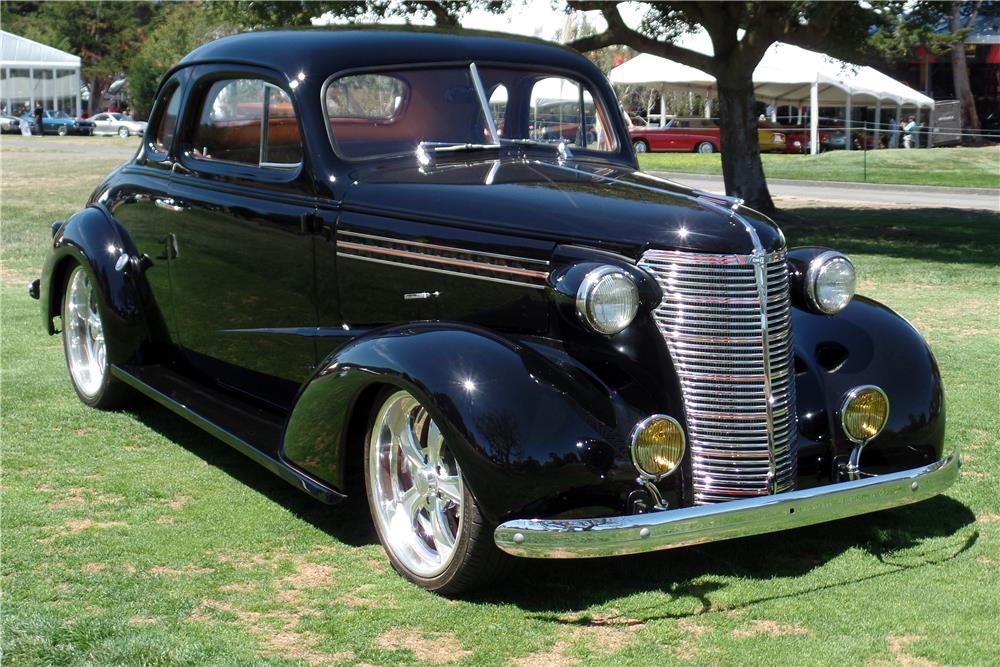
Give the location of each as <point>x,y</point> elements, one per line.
<point>169,204</point>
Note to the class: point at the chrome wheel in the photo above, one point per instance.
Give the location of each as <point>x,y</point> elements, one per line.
<point>123,132</point>
<point>640,146</point>
<point>415,486</point>
<point>86,352</point>
<point>706,147</point>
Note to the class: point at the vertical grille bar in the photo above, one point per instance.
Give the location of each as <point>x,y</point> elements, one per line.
<point>733,354</point>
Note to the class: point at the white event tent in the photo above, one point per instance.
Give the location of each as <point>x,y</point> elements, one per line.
<point>32,72</point>
<point>786,74</point>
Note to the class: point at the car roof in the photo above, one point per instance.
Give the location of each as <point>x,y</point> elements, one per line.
<point>324,52</point>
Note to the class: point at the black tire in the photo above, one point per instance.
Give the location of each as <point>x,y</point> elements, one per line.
<point>109,393</point>
<point>640,146</point>
<point>476,560</point>
<point>62,131</point>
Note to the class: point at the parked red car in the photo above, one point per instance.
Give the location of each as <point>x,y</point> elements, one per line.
<point>680,134</point>
<point>700,135</point>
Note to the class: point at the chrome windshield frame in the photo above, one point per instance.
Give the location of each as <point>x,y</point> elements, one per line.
<point>484,104</point>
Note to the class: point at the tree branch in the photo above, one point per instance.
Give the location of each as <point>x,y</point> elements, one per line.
<point>619,33</point>
<point>442,17</point>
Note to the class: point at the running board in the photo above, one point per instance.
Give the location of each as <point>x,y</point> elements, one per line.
<point>235,422</point>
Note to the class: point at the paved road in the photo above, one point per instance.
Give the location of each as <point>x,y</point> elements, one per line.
<point>864,194</point>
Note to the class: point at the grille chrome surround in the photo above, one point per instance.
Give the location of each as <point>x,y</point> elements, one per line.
<point>731,360</point>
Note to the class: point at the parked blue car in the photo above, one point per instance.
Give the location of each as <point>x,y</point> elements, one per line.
<point>58,122</point>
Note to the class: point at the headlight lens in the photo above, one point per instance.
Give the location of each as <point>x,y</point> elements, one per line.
<point>864,413</point>
<point>657,446</point>
<point>608,299</point>
<point>830,282</point>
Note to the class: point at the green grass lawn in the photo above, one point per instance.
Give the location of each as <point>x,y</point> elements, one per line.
<point>133,538</point>
<point>956,167</point>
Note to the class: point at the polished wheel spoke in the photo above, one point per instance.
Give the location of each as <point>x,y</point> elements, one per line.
<point>450,488</point>
<point>410,449</point>
<point>444,539</point>
<point>412,501</point>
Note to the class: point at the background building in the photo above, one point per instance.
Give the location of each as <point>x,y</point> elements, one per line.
<point>31,72</point>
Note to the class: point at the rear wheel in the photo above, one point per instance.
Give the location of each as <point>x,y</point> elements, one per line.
<point>62,131</point>
<point>705,147</point>
<point>123,132</point>
<point>640,146</point>
<point>426,519</point>
<point>86,346</point>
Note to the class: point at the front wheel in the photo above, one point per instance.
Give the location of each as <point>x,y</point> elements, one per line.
<point>426,519</point>
<point>123,132</point>
<point>62,131</point>
<point>640,146</point>
<point>86,346</point>
<point>705,147</point>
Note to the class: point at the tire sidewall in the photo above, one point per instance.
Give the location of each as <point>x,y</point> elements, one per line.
<point>465,536</point>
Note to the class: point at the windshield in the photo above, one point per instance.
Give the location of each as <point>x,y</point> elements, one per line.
<point>396,112</point>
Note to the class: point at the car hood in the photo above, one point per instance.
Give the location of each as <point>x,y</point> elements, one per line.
<point>602,205</point>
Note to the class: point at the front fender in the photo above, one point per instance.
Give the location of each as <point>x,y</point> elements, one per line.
<point>92,238</point>
<point>533,437</point>
<point>866,343</point>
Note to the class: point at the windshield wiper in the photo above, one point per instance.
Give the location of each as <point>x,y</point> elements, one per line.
<point>559,145</point>
<point>425,148</point>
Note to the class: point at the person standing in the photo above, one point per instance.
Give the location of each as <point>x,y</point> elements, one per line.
<point>910,130</point>
<point>893,133</point>
<point>39,115</point>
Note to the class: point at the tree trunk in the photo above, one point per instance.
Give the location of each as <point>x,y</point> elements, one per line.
<point>741,165</point>
<point>963,89</point>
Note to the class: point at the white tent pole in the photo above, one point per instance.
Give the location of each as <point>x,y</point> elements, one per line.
<point>847,121</point>
<point>814,118</point>
<point>774,110</point>
<point>799,108</point>
<point>663,107</point>
<point>31,90</point>
<point>76,89</point>
<point>708,106</point>
<point>878,121</point>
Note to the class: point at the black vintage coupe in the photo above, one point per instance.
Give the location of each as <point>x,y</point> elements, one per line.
<point>381,255</point>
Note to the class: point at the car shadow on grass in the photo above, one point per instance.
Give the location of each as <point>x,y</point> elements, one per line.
<point>928,234</point>
<point>348,521</point>
<point>900,539</point>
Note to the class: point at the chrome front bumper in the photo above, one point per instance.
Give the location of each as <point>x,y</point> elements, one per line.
<point>637,533</point>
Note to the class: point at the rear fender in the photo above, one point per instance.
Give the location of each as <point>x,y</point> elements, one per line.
<point>92,238</point>
<point>534,435</point>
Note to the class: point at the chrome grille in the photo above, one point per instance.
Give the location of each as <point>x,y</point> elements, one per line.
<point>710,317</point>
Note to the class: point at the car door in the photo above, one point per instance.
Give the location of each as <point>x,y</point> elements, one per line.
<point>101,123</point>
<point>137,204</point>
<point>242,258</point>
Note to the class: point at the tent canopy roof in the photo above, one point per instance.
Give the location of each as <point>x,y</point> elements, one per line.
<point>786,72</point>
<point>21,51</point>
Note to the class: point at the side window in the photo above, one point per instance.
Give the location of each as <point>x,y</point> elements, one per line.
<point>365,97</point>
<point>168,122</point>
<point>561,110</point>
<point>247,121</point>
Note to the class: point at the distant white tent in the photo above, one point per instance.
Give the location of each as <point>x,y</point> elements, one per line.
<point>33,72</point>
<point>786,74</point>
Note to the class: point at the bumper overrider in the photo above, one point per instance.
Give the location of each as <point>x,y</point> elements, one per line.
<point>638,533</point>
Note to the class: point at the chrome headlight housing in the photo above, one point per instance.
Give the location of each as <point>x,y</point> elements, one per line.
<point>830,282</point>
<point>607,300</point>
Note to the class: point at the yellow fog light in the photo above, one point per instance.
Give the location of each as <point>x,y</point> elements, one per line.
<point>864,413</point>
<point>657,446</point>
